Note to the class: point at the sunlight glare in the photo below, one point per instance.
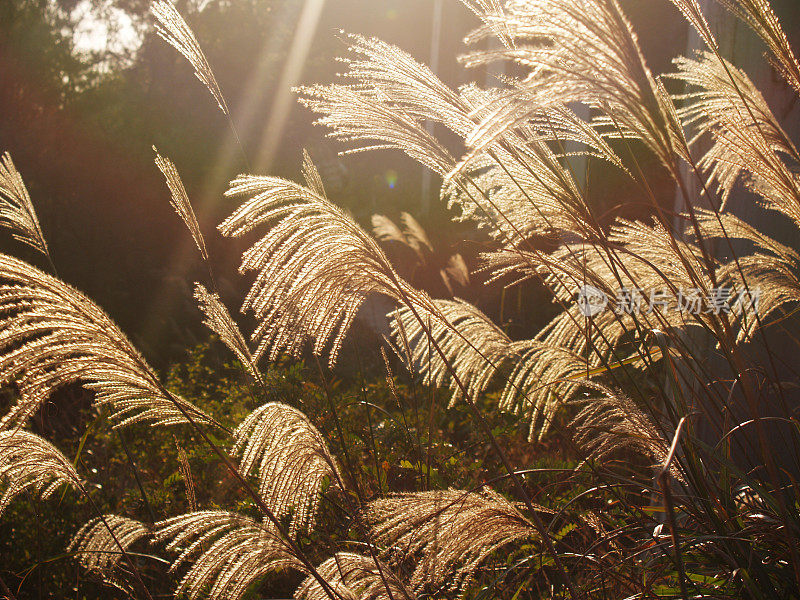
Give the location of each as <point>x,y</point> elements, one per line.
<point>292,71</point>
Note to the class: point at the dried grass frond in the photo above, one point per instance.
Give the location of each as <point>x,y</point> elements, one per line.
<point>456,270</point>
<point>29,462</point>
<point>180,201</point>
<point>449,533</point>
<point>311,175</point>
<point>97,550</point>
<point>588,53</point>
<point>748,140</point>
<point>771,278</point>
<point>412,236</point>
<point>174,30</point>
<point>472,344</point>
<point>354,577</point>
<point>638,257</point>
<point>386,100</point>
<point>694,14</point>
<point>229,552</point>
<point>385,230</point>
<point>291,459</point>
<point>513,181</point>
<point>551,369</point>
<point>415,233</point>
<point>759,16</point>
<point>728,225</point>
<point>492,14</point>
<point>611,423</point>
<point>354,115</point>
<point>407,85</point>
<point>544,378</point>
<point>186,473</point>
<point>51,336</point>
<point>315,266</point>
<point>218,319</point>
<point>657,255</point>
<point>512,266</point>
<point>16,208</point>
<point>532,117</point>
<point>516,197</point>
<point>644,256</point>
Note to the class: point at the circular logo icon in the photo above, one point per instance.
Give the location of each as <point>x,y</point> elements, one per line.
<point>591,300</point>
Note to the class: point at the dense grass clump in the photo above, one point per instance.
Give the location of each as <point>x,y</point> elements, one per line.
<point>665,382</point>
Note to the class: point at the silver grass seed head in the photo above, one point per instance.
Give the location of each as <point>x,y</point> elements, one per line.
<point>16,208</point>
<point>228,552</point>
<point>291,460</point>
<point>29,462</point>
<point>174,30</point>
<point>448,533</point>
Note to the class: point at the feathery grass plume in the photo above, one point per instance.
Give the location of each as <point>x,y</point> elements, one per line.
<point>513,181</point>
<point>587,53</point>
<point>759,16</point>
<point>535,118</point>
<point>747,138</point>
<point>354,577</point>
<point>765,280</point>
<point>694,14</point>
<point>473,345</point>
<point>491,13</point>
<point>611,423</point>
<point>544,378</point>
<point>415,233</point>
<point>455,271</point>
<point>186,473</point>
<point>229,551</point>
<point>174,30</point>
<point>386,100</point>
<point>291,459</point>
<point>385,230</point>
<point>218,319</point>
<point>551,368</point>
<point>772,282</point>
<point>646,256</point>
<point>311,176</point>
<point>449,533</point>
<point>97,550</point>
<point>514,202</point>
<point>180,201</point>
<point>51,335</point>
<point>388,103</point>
<point>412,235</point>
<point>726,224</point>
<point>16,208</point>
<point>512,266</point>
<point>655,255</point>
<point>315,266</point>
<point>28,461</point>
<point>565,351</point>
<point>355,115</point>
<point>404,84</point>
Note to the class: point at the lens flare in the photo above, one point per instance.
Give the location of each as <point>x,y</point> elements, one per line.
<point>391,179</point>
